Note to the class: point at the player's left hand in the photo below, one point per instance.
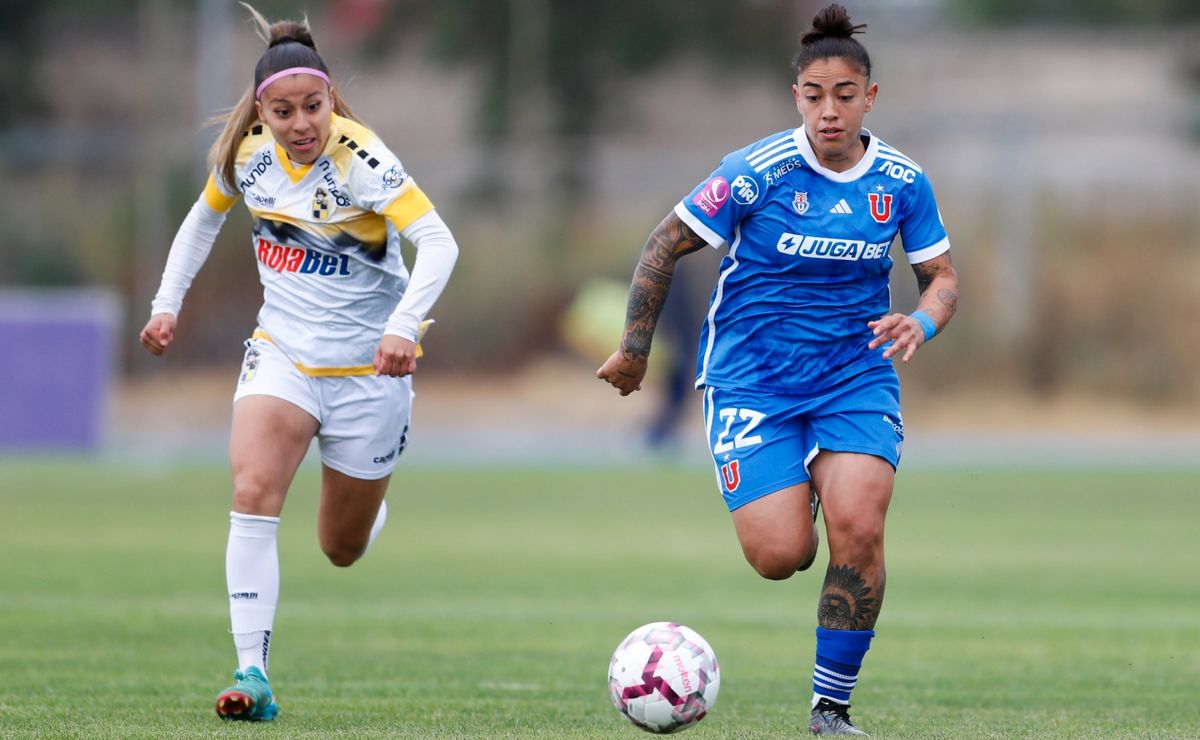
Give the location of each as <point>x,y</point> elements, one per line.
<point>903,331</point>
<point>396,356</point>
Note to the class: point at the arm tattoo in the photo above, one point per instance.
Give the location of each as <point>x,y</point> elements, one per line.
<point>847,602</point>
<point>926,272</point>
<point>651,281</point>
<point>646,297</point>
<point>949,299</point>
<point>929,271</point>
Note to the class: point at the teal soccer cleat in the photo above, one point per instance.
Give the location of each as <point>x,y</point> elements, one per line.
<point>249,699</point>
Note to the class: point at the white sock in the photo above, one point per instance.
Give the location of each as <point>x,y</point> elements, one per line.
<point>253,649</point>
<point>252,575</point>
<point>377,527</point>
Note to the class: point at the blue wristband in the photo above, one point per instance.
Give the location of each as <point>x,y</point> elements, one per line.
<point>926,323</point>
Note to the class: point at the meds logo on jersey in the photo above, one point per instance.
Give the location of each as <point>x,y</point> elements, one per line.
<point>321,207</point>
<point>745,190</point>
<point>394,177</point>
<point>713,194</point>
<point>800,203</point>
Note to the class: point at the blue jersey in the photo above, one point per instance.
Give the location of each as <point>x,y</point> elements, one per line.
<point>808,260</point>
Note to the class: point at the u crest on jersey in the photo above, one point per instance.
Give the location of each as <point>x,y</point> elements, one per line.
<point>321,207</point>
<point>881,206</point>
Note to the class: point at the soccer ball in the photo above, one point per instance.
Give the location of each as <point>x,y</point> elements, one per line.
<point>663,677</point>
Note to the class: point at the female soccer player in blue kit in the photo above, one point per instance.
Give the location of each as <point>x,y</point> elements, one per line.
<point>795,356</point>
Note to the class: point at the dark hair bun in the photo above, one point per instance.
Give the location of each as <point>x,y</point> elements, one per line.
<point>291,32</point>
<point>832,21</point>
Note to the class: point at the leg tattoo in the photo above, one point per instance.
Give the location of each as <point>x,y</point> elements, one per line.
<point>847,601</point>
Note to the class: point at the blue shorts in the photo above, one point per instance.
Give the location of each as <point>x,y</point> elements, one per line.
<point>763,442</point>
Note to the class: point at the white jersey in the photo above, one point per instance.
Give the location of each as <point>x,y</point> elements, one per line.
<point>327,241</point>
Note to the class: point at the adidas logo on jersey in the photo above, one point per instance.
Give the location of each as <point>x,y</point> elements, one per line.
<point>841,207</point>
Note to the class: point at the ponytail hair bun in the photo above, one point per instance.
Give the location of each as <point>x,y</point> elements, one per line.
<point>285,32</point>
<point>831,22</point>
<point>289,44</point>
<point>832,36</point>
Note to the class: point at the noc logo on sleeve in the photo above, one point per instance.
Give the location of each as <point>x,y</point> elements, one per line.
<point>713,194</point>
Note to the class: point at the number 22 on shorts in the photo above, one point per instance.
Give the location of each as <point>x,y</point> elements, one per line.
<point>749,419</point>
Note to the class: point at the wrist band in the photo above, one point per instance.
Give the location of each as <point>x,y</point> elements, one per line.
<point>927,324</point>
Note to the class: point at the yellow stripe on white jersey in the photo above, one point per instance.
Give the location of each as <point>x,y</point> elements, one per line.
<point>320,372</point>
<point>332,372</point>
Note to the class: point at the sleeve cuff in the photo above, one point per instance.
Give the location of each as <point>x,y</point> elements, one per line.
<point>927,253</point>
<point>704,232</point>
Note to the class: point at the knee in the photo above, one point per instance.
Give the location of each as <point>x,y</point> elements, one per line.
<point>252,495</point>
<point>342,556</point>
<point>857,541</point>
<point>774,564</point>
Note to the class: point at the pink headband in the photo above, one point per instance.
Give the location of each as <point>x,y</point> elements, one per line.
<point>290,71</point>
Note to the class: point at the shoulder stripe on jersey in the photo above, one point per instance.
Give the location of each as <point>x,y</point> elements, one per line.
<point>793,152</point>
<point>363,154</point>
<point>927,253</point>
<point>887,152</point>
<point>255,130</point>
<point>762,152</point>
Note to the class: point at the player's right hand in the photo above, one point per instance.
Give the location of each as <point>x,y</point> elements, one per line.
<point>623,372</point>
<point>158,333</point>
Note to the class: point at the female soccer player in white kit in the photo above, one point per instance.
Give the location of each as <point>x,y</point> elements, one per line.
<point>795,357</point>
<point>336,343</point>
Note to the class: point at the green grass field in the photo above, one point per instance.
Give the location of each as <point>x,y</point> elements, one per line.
<point>1040,604</point>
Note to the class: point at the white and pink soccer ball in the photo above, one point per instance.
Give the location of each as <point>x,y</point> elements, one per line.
<point>664,677</point>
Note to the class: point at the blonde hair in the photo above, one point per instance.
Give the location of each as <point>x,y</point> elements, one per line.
<point>289,44</point>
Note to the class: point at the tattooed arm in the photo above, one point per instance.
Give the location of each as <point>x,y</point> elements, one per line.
<point>671,240</point>
<point>938,283</point>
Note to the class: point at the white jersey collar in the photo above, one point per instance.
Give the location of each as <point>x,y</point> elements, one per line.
<point>850,175</point>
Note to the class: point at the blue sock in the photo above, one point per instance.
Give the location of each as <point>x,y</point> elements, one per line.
<point>839,657</point>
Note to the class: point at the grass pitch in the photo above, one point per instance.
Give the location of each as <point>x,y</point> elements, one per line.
<point>1019,604</point>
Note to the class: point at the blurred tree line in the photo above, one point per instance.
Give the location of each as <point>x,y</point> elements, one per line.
<point>566,60</point>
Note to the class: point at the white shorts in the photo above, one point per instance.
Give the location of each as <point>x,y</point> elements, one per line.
<point>364,418</point>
